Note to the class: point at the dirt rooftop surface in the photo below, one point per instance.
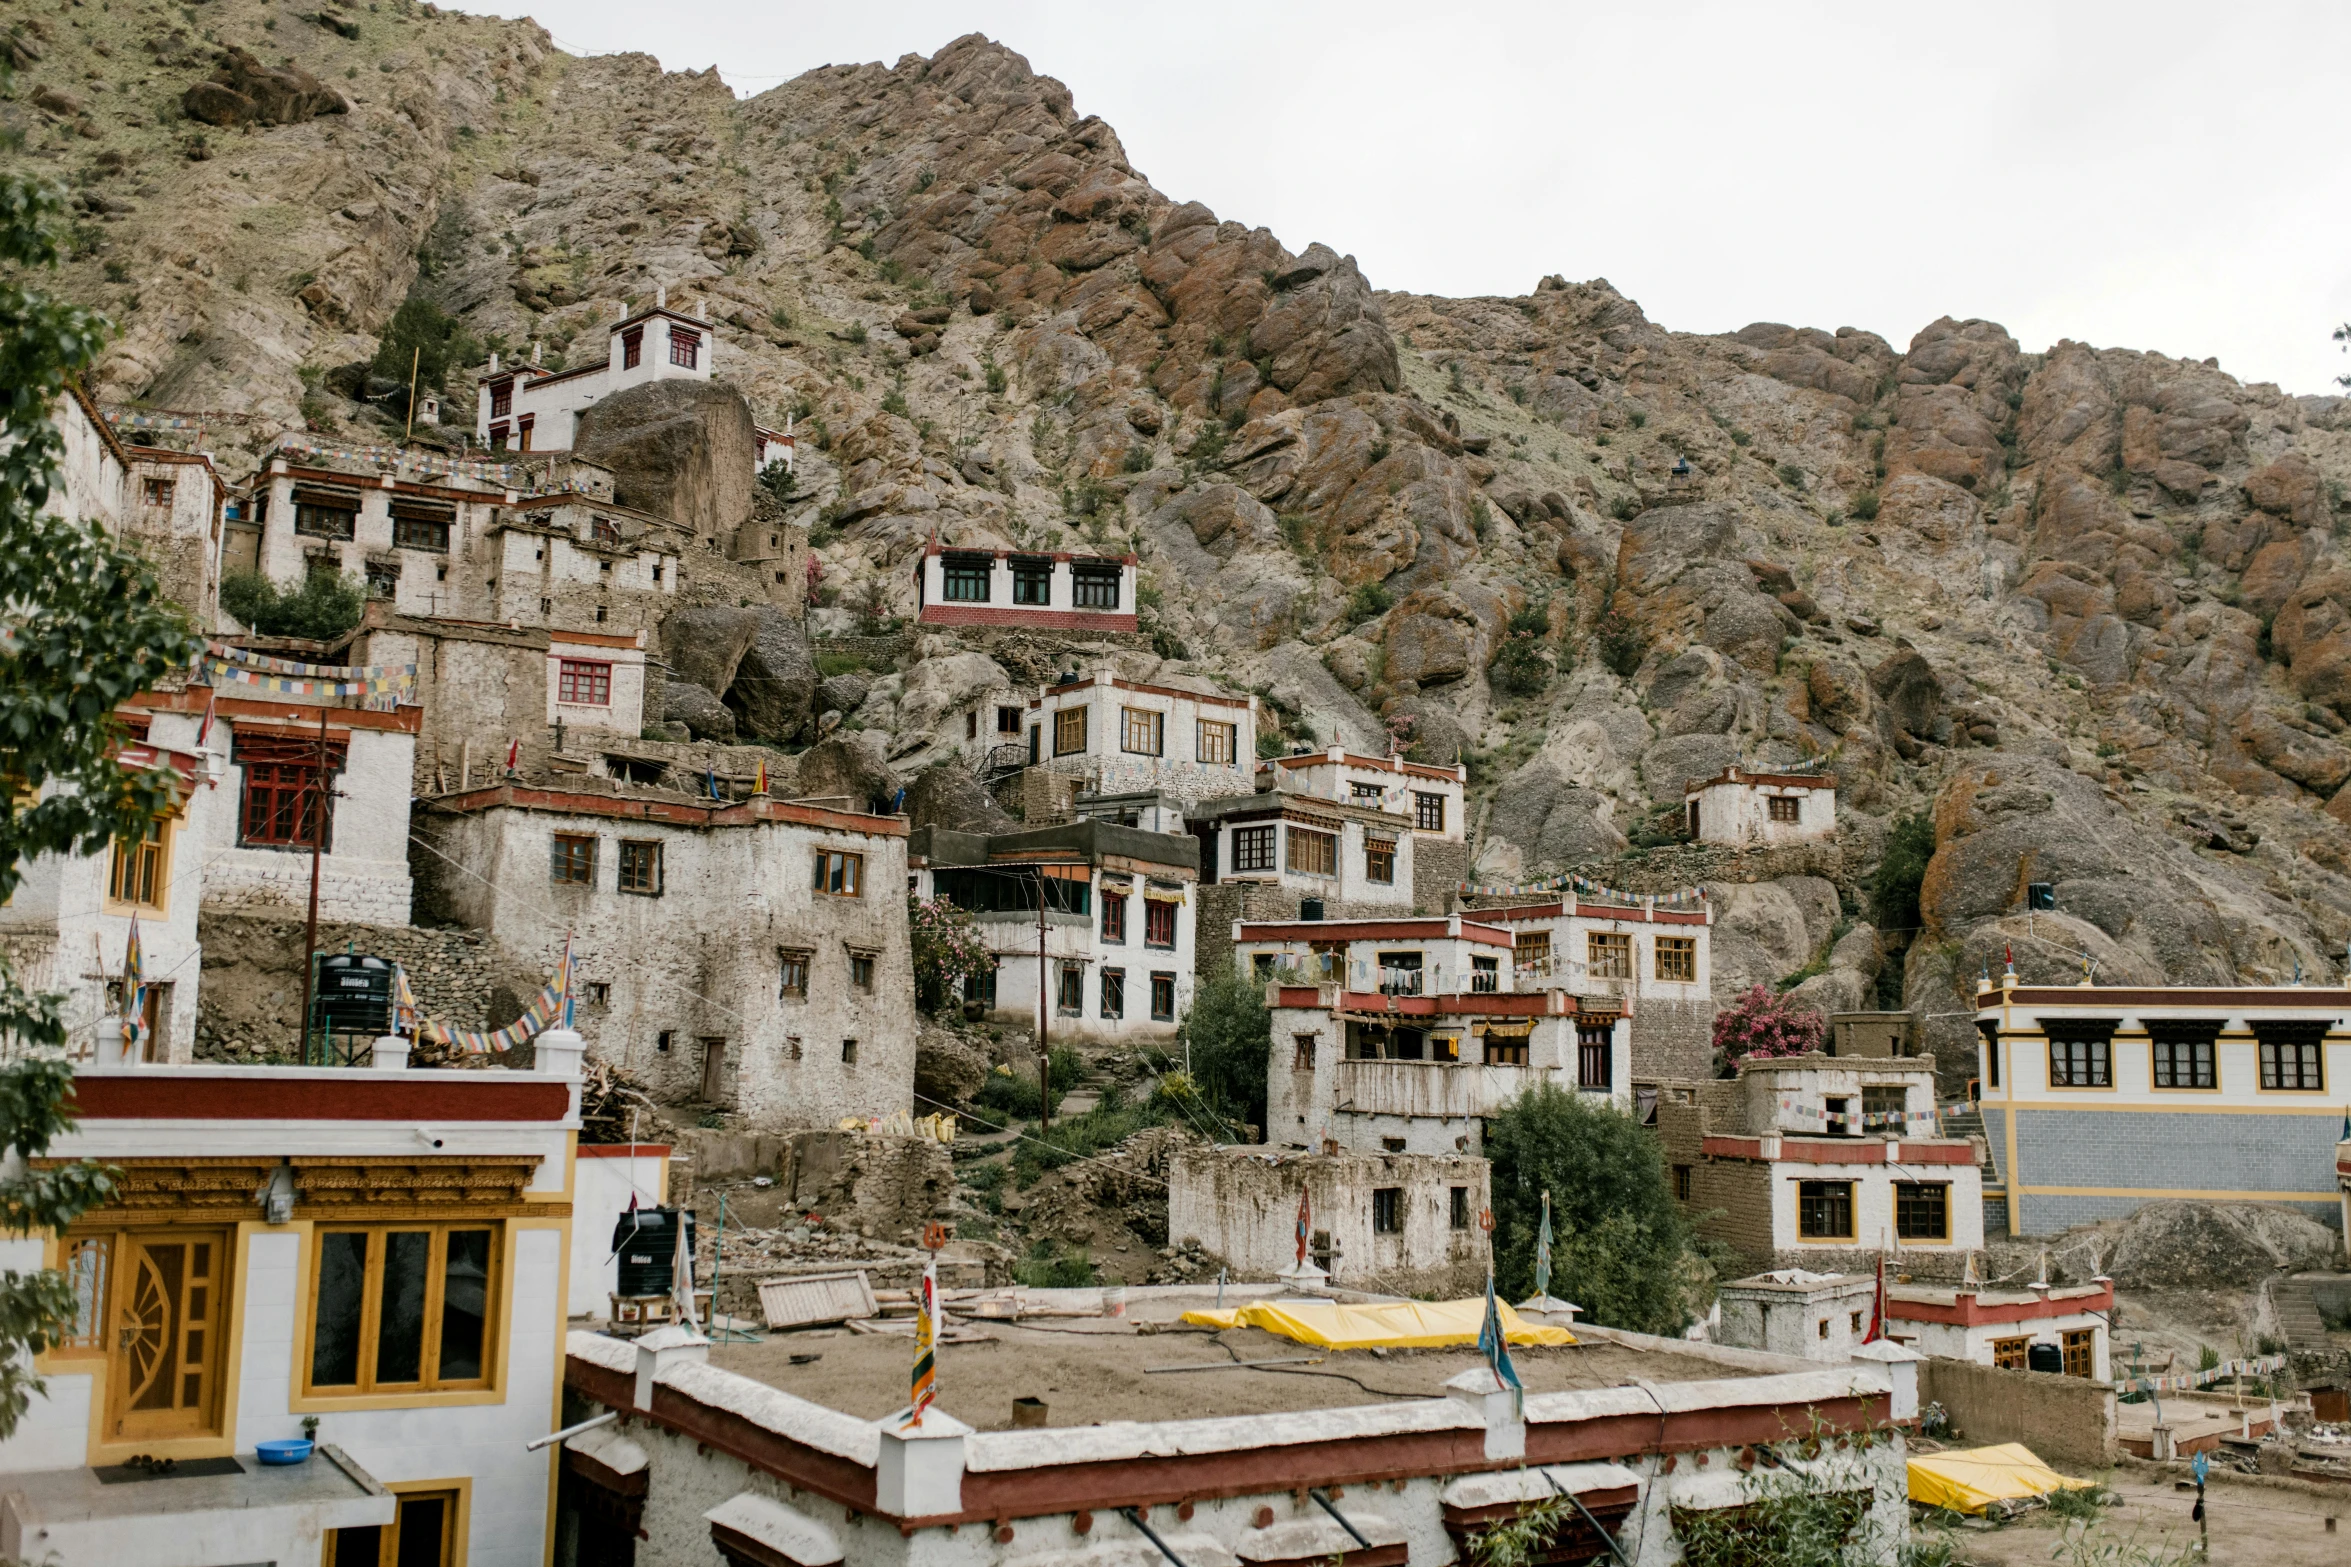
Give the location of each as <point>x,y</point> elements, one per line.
<point>1093,1370</point>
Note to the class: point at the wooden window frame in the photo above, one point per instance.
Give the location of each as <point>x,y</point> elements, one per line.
<point>1114,917</point>
<point>1032,583</point>
<point>1214,743</point>
<point>1595,1053</point>
<point>1530,950</point>
<point>1784,808</point>
<point>309,522</point>
<point>1163,996</point>
<point>1505,1049</point>
<point>1142,731</point>
<point>1379,862</point>
<point>1069,989</point>
<point>2081,1063</point>
<point>1608,954</point>
<point>567,866</point>
<point>138,876</point>
<point>956,573</point>
<point>501,399</point>
<point>1114,993</point>
<point>1302,1052</point>
<point>430,534</point>
<point>1254,848</point>
<point>840,873</point>
<point>632,348</point>
<point>1094,587</point>
<point>1154,919</point>
<point>297,783</point>
<point>155,491</point>
<point>685,348</point>
<point>1910,1199</point>
<point>583,682</point>
<point>1069,731</point>
<point>2085,1340</point>
<point>1825,1194</point>
<point>2308,1065</point>
<point>1683,951</point>
<point>1387,1210</point>
<point>1320,856</point>
<point>862,968</point>
<point>431,1387</point>
<point>639,873</point>
<point>792,966</point>
<point>1428,812</point>
<point>2012,1354</point>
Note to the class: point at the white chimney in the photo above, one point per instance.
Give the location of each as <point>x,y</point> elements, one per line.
<point>701,309</point>
<point>493,362</point>
<point>534,350</point>
<point>661,296</point>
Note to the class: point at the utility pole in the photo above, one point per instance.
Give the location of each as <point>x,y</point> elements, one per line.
<point>1044,1020</point>
<point>318,830</point>
<point>415,358</point>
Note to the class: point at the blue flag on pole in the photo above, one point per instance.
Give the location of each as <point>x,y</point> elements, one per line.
<point>1495,1346</point>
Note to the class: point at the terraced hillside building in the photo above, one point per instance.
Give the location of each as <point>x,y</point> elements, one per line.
<point>2098,1098</point>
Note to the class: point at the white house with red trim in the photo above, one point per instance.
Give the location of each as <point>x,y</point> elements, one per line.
<point>1124,736</point>
<point>1655,951</point>
<point>2071,1324</point>
<point>530,408</point>
<point>1055,591</point>
<point>1824,1163</point>
<point>382,1250</point>
<point>1750,809</point>
<point>1429,798</point>
<point>1353,860</point>
<point>1370,1064</point>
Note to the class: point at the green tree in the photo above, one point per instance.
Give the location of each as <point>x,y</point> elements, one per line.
<point>1228,1034</point>
<point>947,949</point>
<point>1618,1240</point>
<point>424,335</point>
<point>322,609</point>
<point>84,630</point>
<point>1902,868</point>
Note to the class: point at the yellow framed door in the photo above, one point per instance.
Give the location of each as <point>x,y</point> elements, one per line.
<point>169,1327</point>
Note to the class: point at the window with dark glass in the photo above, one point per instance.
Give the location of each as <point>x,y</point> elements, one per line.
<point>415,528</point>
<point>1506,1049</point>
<point>839,873</point>
<point>571,860</point>
<point>632,347</point>
<point>282,800</point>
<point>1114,992</point>
<point>861,970</point>
<point>1379,861</point>
<point>685,346</point>
<point>157,492</point>
<point>1142,732</point>
<point>1485,975</point>
<point>1387,1210</point>
<point>1824,1210</point>
<point>965,578</point>
<point>1400,973</point>
<point>1032,579</point>
<point>1070,999</point>
<point>1302,1052</point>
<point>1253,848</point>
<point>1114,916</point>
<point>1094,587</point>
<point>2081,1061</point>
<point>325,521</point>
<point>1313,853</point>
<point>1783,807</point>
<point>1428,812</point>
<point>640,867</point>
<point>1885,1107</point>
<point>401,1306</point>
<point>1595,1052</point>
<point>1069,731</point>
<point>1159,923</point>
<point>1458,1208</point>
<point>793,966</point>
<point>1608,954</point>
<point>501,399</point>
<point>1922,1210</point>
<point>1163,997</point>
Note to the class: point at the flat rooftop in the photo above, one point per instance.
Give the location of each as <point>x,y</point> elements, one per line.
<point>1091,1370</point>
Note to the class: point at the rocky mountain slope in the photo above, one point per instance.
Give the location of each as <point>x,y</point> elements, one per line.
<point>2092,607</point>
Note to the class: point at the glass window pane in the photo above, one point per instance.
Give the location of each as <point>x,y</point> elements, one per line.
<point>342,1291</point>
<point>465,1304</point>
<point>400,1307</point>
<point>423,1531</point>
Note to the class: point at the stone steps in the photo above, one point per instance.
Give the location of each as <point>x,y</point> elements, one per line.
<point>2298,1317</point>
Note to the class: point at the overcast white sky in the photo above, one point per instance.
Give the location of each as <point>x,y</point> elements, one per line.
<point>2154,175</point>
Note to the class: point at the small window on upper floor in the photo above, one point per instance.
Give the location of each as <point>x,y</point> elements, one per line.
<point>1428,812</point>
<point>1785,807</point>
<point>685,347</point>
<point>632,347</point>
<point>156,492</point>
<point>1094,587</point>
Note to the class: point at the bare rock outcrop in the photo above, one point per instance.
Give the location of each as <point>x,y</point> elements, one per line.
<point>678,448</point>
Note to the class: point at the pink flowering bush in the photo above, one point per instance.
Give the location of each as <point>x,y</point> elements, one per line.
<point>948,948</point>
<point>1760,1024</point>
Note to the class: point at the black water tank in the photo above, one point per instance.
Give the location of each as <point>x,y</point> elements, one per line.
<point>645,1244</point>
<point>354,995</point>
<point>1310,908</point>
<point>2045,1357</point>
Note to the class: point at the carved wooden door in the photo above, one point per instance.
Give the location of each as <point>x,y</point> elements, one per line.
<point>163,1377</point>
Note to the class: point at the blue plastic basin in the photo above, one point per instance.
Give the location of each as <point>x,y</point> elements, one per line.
<point>292,1450</point>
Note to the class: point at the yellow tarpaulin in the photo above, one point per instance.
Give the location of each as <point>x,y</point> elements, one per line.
<point>1404,1324</point>
<point>1972,1480</point>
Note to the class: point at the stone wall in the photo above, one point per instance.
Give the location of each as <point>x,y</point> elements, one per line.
<point>1673,1038</point>
<point>1223,902</point>
<point>1244,1209</point>
<point>249,1003</point>
<point>1729,1200</point>
<point>2066,1420</point>
<point>1439,867</point>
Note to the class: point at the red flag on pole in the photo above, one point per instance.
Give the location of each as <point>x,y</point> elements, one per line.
<point>1305,1222</point>
<point>1877,1309</point>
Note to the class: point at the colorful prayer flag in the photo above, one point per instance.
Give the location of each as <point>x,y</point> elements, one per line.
<point>1494,1344</point>
<point>1543,1249</point>
<point>926,1340</point>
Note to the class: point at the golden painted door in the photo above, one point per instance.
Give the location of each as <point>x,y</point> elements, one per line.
<point>163,1366</point>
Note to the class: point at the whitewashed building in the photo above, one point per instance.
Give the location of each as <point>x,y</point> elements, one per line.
<point>1368,1071</point>
<point>171,504</point>
<point>1351,859</point>
<point>1450,955</point>
<point>1824,1163</point>
<point>1657,952</point>
<point>2069,1324</point>
<point>1746,808</point>
<point>1385,1222</point>
<point>1429,798</point>
<point>1118,925</point>
<point>2098,1098</point>
<point>383,1251</point>
<point>1792,1311</point>
<point>530,408</point>
<point>1119,736</point>
<point>746,959</point>
<point>1043,591</point>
